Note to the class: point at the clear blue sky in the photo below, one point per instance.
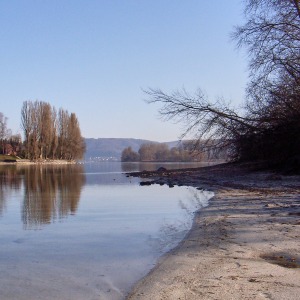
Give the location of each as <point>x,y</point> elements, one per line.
<point>94,57</point>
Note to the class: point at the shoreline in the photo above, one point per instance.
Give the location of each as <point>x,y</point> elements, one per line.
<point>244,245</point>
<point>39,162</point>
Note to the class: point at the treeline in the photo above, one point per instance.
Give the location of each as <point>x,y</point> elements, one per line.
<point>185,152</point>
<point>50,134</point>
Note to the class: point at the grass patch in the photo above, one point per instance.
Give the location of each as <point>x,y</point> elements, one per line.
<point>7,158</point>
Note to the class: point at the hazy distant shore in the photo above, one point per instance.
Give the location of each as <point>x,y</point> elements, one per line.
<point>244,245</point>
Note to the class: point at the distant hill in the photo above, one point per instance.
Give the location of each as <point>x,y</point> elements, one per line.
<point>110,148</point>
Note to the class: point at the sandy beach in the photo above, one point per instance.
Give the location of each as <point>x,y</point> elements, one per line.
<point>244,245</point>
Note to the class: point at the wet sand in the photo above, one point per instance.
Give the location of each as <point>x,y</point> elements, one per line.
<point>244,245</point>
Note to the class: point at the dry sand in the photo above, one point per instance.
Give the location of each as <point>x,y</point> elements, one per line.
<point>244,245</point>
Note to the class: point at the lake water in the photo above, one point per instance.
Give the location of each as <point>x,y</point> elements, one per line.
<point>86,231</point>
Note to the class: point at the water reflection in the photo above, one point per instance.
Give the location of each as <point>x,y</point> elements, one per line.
<point>153,166</point>
<point>9,181</point>
<point>50,193</point>
<point>113,173</point>
<point>170,232</point>
<point>196,200</point>
<point>119,231</point>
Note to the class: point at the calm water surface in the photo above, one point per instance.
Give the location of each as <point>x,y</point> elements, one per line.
<point>85,231</point>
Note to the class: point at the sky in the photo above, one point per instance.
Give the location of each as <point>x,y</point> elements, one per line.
<point>95,58</point>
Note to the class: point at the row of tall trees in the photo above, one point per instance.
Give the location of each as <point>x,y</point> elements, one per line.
<point>50,133</point>
<point>268,127</point>
<point>185,152</point>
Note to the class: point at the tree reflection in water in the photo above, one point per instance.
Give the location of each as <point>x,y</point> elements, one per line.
<point>9,181</point>
<point>50,193</point>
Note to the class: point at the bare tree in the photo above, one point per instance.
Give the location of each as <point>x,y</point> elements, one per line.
<point>271,117</point>
<point>129,155</point>
<point>201,118</point>
<point>147,152</point>
<point>48,133</point>
<point>31,122</point>
<point>271,36</point>
<point>63,117</point>
<point>45,127</point>
<point>3,130</point>
<point>75,142</point>
<point>54,134</point>
<point>27,126</point>
<point>160,152</point>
